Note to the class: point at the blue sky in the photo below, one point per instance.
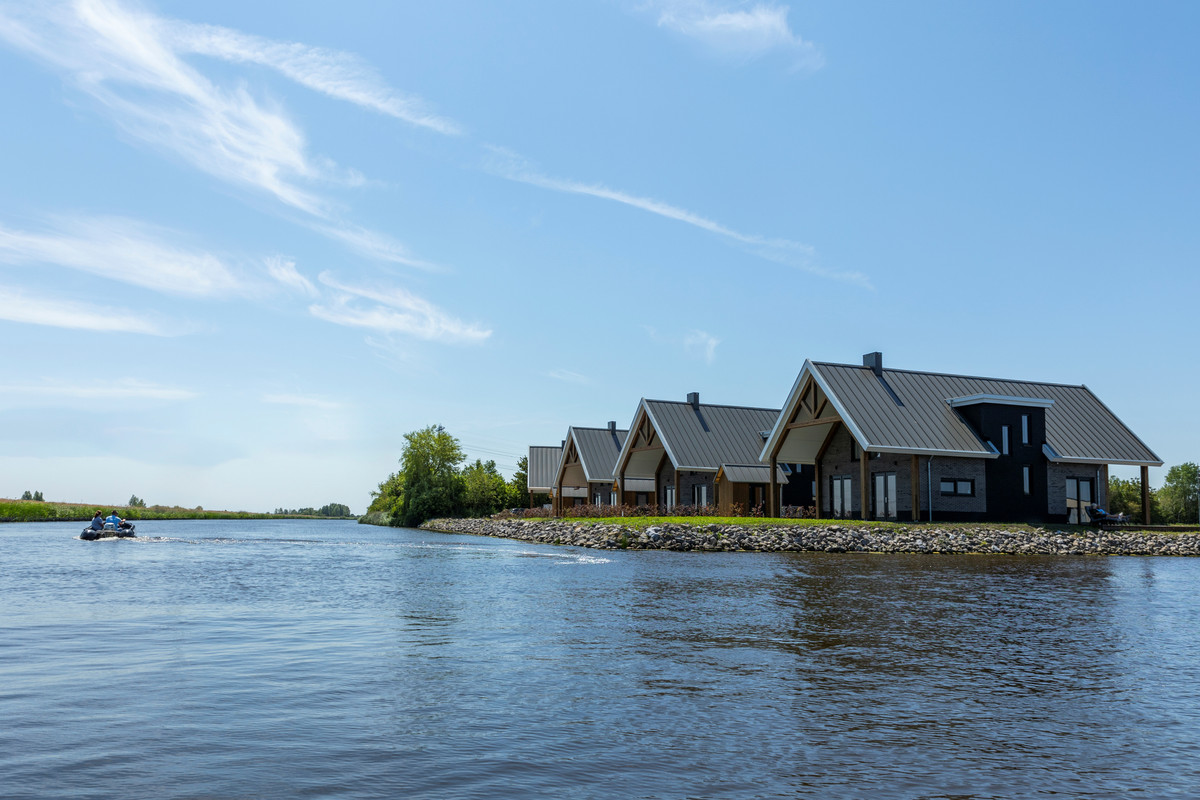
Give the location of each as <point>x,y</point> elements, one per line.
<point>245,247</point>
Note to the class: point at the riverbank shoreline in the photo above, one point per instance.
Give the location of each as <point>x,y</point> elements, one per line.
<point>833,537</point>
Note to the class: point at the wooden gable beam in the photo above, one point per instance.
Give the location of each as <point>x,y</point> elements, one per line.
<point>810,423</point>
<point>820,407</point>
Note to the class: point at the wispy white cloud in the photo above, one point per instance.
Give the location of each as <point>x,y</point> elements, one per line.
<point>131,62</point>
<point>374,244</point>
<point>331,72</point>
<point>124,59</point>
<point>701,345</point>
<point>511,166</point>
<point>20,306</point>
<point>110,389</point>
<point>393,310</point>
<point>286,273</point>
<point>303,401</point>
<point>567,376</point>
<point>124,250</point>
<point>734,30</point>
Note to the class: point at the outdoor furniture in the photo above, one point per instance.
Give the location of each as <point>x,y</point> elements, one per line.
<point>1103,519</point>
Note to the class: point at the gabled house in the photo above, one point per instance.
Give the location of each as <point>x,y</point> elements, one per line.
<point>540,469</point>
<point>677,449</point>
<point>901,444</point>
<point>585,470</point>
<point>743,488</point>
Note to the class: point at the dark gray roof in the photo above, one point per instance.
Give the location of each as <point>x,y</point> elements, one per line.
<point>543,466</point>
<point>752,473</point>
<point>907,411</point>
<point>704,437</point>
<point>598,449</point>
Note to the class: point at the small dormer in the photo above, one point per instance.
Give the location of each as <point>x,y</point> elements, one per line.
<point>1008,423</point>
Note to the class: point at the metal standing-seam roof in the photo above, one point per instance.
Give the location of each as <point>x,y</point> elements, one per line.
<point>908,411</point>
<point>598,448</point>
<point>752,473</point>
<point>702,437</point>
<point>542,467</point>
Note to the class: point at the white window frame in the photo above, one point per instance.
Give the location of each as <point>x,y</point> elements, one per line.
<point>700,494</point>
<point>670,493</point>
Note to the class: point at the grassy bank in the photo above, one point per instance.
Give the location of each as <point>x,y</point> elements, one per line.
<point>32,511</point>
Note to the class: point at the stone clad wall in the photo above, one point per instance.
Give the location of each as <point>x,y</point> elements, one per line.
<point>1056,479</point>
<point>959,468</point>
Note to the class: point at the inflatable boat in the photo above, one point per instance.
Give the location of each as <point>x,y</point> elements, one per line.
<point>110,531</point>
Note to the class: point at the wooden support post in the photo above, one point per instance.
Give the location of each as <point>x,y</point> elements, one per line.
<point>773,503</point>
<point>820,490</point>
<point>864,489</point>
<point>916,488</point>
<point>678,496</point>
<point>1145,495</point>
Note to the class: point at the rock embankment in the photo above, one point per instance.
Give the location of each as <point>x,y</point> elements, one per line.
<point>831,538</point>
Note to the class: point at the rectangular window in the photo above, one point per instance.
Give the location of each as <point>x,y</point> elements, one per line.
<point>840,496</point>
<point>612,498</point>
<point>1024,429</point>
<point>1025,478</point>
<point>957,487</point>
<point>1004,439</point>
<point>670,497</point>
<point>596,499</point>
<point>1080,492</point>
<point>700,495</point>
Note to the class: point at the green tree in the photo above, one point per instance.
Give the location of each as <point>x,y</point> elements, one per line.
<point>1125,496</point>
<point>484,490</point>
<point>136,502</point>
<point>27,496</point>
<point>388,499</point>
<point>432,484</point>
<point>1178,494</point>
<point>518,485</point>
<point>333,510</point>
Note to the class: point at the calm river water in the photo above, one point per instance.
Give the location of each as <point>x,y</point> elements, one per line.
<point>285,659</point>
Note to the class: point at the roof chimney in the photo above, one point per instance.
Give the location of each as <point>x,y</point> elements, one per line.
<point>694,399</point>
<point>875,362</point>
<point>612,427</point>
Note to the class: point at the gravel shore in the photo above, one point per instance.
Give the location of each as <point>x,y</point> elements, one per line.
<point>831,538</point>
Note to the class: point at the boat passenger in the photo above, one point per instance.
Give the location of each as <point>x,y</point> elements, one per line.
<point>98,522</point>
<point>116,521</point>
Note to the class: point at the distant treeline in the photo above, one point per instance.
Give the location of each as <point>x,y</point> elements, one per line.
<point>327,510</point>
<point>35,511</point>
<point>435,481</point>
<point>42,511</point>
